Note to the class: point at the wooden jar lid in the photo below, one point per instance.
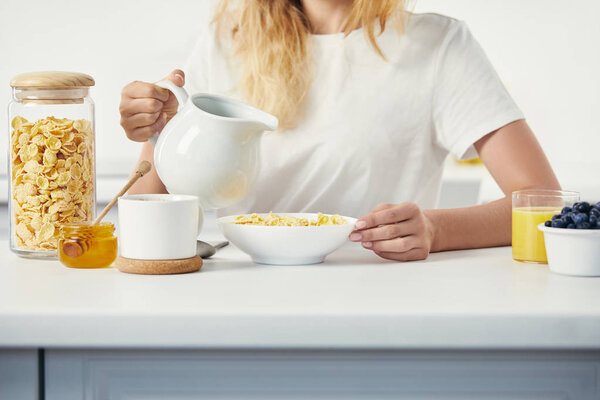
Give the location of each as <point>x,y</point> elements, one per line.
<point>52,80</point>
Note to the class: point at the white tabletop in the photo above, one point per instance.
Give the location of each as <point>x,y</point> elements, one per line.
<point>454,300</point>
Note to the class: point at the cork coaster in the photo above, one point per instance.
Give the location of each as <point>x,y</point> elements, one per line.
<point>158,267</point>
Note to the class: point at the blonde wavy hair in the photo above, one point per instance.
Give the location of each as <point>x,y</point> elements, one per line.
<point>272,41</point>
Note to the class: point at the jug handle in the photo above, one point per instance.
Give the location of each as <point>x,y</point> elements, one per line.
<point>181,96</point>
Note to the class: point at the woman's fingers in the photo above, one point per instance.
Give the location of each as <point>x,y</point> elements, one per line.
<point>137,106</point>
<point>144,133</point>
<point>382,206</point>
<point>145,108</point>
<point>177,76</point>
<point>397,245</point>
<point>171,104</point>
<point>386,232</point>
<point>139,120</point>
<point>389,215</point>
<point>143,90</point>
<point>394,231</point>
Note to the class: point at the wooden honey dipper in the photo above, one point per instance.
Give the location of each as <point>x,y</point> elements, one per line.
<point>76,249</point>
<point>143,168</point>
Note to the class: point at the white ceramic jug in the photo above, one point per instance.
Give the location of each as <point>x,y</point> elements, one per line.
<point>211,147</point>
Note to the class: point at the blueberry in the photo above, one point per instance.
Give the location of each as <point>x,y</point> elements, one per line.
<point>548,223</point>
<point>571,226</point>
<point>557,216</point>
<point>583,225</point>
<point>559,223</point>
<point>593,220</point>
<point>568,218</point>
<point>582,207</point>
<point>595,211</point>
<point>580,218</point>
<point>566,210</point>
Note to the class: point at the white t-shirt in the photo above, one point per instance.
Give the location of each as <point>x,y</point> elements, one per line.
<point>373,131</point>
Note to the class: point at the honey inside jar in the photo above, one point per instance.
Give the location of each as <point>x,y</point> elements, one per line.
<point>87,246</point>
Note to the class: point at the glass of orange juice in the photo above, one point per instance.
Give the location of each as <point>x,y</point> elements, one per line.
<point>529,209</point>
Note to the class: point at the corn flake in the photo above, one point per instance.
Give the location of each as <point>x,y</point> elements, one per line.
<point>23,139</point>
<point>53,143</point>
<point>50,157</point>
<point>38,140</point>
<point>42,182</point>
<point>63,178</point>
<point>46,232</point>
<point>75,171</point>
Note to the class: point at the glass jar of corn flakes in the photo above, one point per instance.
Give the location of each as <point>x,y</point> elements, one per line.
<point>51,159</point>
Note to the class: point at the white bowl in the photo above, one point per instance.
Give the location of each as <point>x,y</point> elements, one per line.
<point>286,245</point>
<point>572,251</point>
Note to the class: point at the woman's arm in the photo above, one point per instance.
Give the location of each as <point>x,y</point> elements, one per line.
<point>516,161</point>
<point>145,109</point>
<point>404,232</point>
<point>149,183</point>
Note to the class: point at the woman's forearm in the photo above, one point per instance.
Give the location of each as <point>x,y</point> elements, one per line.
<point>487,225</point>
<point>149,183</point>
<point>516,161</point>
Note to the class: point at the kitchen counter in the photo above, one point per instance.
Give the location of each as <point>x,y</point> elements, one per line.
<point>454,300</point>
<point>466,324</point>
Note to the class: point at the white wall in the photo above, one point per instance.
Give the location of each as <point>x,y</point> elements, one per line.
<point>545,50</point>
<point>115,41</point>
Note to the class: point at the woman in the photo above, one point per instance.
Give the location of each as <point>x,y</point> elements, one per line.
<point>371,99</point>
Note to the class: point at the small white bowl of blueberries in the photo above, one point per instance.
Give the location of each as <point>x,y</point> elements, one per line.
<point>572,240</point>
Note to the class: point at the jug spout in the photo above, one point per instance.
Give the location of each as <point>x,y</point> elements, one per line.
<point>234,110</point>
<point>267,122</point>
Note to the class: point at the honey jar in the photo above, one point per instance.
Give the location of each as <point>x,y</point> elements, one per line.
<point>87,246</point>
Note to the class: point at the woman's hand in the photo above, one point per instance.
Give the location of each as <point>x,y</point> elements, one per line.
<point>146,108</point>
<point>400,232</point>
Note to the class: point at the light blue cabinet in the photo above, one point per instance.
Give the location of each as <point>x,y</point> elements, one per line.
<point>332,375</point>
<point>19,374</point>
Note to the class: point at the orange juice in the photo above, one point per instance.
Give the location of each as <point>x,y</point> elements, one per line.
<point>527,240</point>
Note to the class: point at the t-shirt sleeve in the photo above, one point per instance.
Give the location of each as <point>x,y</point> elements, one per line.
<point>469,99</point>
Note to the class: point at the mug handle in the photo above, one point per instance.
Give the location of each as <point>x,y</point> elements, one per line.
<point>180,94</point>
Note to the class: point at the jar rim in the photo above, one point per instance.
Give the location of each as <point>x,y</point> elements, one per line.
<point>56,95</point>
<point>546,193</point>
<point>82,227</point>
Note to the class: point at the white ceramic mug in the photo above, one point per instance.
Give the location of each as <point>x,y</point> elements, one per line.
<point>159,226</point>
